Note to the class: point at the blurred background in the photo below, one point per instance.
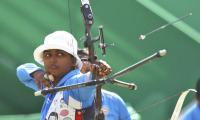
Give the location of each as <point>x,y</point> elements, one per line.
<point>25,23</point>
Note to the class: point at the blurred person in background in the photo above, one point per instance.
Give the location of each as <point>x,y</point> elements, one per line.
<point>193,111</point>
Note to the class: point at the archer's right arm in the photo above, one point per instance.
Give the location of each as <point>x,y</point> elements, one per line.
<point>25,74</point>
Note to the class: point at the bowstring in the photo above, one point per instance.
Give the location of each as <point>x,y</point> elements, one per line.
<point>69,16</point>
<point>156,103</point>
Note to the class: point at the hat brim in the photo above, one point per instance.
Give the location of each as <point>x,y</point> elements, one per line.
<point>40,49</point>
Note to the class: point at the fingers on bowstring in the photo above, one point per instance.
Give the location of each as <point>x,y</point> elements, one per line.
<point>86,67</point>
<point>47,79</point>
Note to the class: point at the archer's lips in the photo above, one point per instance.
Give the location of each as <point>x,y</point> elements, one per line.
<point>53,67</point>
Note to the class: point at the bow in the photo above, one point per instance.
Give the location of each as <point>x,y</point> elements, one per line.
<point>89,43</point>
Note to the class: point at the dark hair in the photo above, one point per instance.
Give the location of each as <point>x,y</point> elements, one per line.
<point>84,54</point>
<point>198,88</point>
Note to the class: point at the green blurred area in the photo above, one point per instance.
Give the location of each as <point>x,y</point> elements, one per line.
<point>24,23</point>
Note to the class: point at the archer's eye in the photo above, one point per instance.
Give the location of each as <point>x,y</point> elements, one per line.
<point>60,54</point>
<point>46,55</point>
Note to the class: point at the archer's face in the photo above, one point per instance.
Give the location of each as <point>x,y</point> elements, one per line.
<point>58,62</point>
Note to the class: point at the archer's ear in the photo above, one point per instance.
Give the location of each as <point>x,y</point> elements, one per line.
<point>74,62</point>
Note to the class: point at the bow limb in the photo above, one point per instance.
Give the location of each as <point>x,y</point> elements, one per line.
<point>88,20</point>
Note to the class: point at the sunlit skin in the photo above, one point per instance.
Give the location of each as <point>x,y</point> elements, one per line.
<point>58,63</point>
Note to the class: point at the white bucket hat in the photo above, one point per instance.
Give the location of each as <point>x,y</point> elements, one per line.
<point>61,40</point>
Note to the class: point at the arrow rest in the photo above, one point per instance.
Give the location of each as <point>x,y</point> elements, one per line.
<point>100,38</point>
